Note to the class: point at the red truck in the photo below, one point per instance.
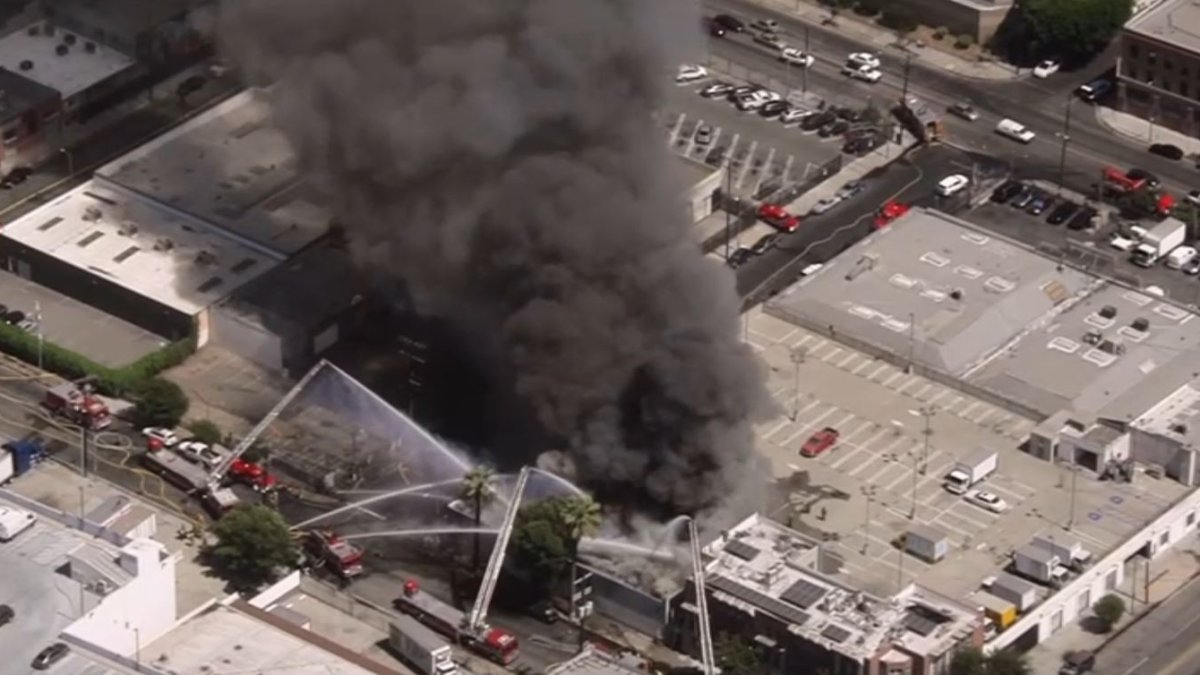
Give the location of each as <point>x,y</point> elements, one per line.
<point>336,554</point>
<point>78,406</point>
<point>495,644</point>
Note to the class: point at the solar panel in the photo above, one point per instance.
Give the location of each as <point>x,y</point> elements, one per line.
<point>803,593</point>
<point>742,550</point>
<point>919,624</point>
<point>766,603</point>
<point>835,633</point>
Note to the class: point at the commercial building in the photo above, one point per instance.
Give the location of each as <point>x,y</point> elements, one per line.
<point>767,583</point>
<point>978,18</point>
<point>158,33</point>
<point>703,182</point>
<point>29,118</point>
<point>1158,70</point>
<point>594,660</point>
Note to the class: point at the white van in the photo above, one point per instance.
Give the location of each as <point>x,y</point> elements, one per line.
<point>14,522</point>
<point>1181,256</point>
<point>1014,130</point>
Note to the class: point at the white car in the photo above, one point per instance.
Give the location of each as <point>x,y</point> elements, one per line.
<point>756,99</point>
<point>1046,69</point>
<point>1122,243</point>
<point>794,115</point>
<point>164,436</point>
<point>796,57</point>
<point>824,204</point>
<point>952,185</point>
<point>1193,197</point>
<point>690,73</point>
<point>199,453</point>
<point>1015,130</point>
<point>864,59</point>
<point>987,500</point>
<point>770,40</point>
<point>864,73</point>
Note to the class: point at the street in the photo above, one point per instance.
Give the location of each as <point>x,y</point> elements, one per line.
<point>1164,642</point>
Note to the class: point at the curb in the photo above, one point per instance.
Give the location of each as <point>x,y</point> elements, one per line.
<point>1100,119</point>
<point>1153,606</point>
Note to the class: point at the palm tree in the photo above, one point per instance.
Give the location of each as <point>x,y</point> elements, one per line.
<point>478,488</point>
<point>581,517</point>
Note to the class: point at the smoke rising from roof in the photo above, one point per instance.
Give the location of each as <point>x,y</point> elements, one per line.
<point>502,159</point>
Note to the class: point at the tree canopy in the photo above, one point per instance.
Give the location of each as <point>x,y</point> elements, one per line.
<point>160,403</point>
<point>736,655</point>
<point>546,535</point>
<point>1109,610</point>
<point>1073,30</point>
<point>1001,662</point>
<point>252,542</point>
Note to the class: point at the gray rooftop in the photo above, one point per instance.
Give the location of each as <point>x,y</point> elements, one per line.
<point>593,661</point>
<point>1175,22</point>
<point>692,171</point>
<point>68,74</point>
<point>19,94</point>
<point>124,18</point>
<point>231,167</point>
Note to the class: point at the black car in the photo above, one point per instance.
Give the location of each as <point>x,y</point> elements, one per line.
<point>190,86</point>
<point>717,90</point>
<point>1167,150</point>
<point>766,243</point>
<point>849,114</point>
<point>860,145</point>
<point>834,128</point>
<point>6,614</point>
<point>1062,212</point>
<point>14,317</point>
<point>18,175</point>
<point>715,29</point>
<point>1082,220</point>
<point>739,257</point>
<point>773,108</point>
<point>1142,174</point>
<point>738,92</point>
<point>1040,202</point>
<point>50,656</point>
<point>813,122</point>
<point>730,23</point>
<point>1006,191</point>
<point>543,611</point>
<point>1024,197</point>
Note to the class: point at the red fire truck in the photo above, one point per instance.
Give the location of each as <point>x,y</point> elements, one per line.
<point>496,644</point>
<point>338,555</point>
<point>78,406</point>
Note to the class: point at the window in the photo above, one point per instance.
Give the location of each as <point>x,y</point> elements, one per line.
<point>1191,519</point>
<point>1133,51</point>
<point>1083,601</point>
<point>1166,537</point>
<point>1056,621</point>
<point>1168,66</point>
<point>1110,582</point>
<point>1183,89</point>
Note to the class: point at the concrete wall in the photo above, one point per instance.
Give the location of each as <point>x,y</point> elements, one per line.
<point>1074,599</point>
<point>700,196</point>
<point>979,19</point>
<point>246,338</point>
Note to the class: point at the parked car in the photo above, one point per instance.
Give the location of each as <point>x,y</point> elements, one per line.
<point>6,614</point>
<point>771,40</point>
<point>704,135</point>
<point>1046,68</point>
<point>14,317</point>
<point>50,656</point>
<point>28,325</point>
<point>16,176</point>
<point>689,72</point>
<point>716,90</point>
<point>766,25</point>
<point>773,108</point>
<point>1062,212</point>
<point>860,72</point>
<point>1193,197</point>
<point>1082,219</point>
<point>1007,190</point>
<point>766,243</point>
<point>730,23</point>
<point>824,204</point>
<point>834,128</point>
<point>987,500</point>
<point>1167,150</point>
<point>1041,202</point>
<point>199,453</point>
<point>861,145</point>
<point>819,442</point>
<point>1078,663</point>
<point>1024,197</point>
<point>864,59</point>
<point>778,217</point>
<point>851,188</point>
<point>165,436</point>
<point>965,111</point>
<point>952,185</point>
<point>796,57</point>
<point>190,86</point>
<point>1152,181</point>
<point>543,611</point>
<point>738,92</point>
<point>739,257</point>
<point>1095,90</point>
<point>813,122</point>
<point>794,115</point>
<point>1191,267</point>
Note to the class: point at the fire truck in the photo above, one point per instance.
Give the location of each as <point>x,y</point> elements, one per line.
<point>496,644</point>
<point>336,554</point>
<point>78,406</point>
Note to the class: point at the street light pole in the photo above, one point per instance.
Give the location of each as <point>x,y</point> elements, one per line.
<point>804,68</point>
<point>1066,139</point>
<point>70,161</point>
<point>868,491</point>
<point>928,412</point>
<point>912,511</point>
<point>907,67</point>
<point>1074,475</point>
<point>798,355</point>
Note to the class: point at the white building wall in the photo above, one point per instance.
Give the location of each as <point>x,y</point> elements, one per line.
<point>138,612</point>
<point>1075,598</point>
<point>246,338</point>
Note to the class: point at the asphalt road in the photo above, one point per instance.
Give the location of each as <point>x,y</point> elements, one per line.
<point>1038,104</point>
<point>1164,642</point>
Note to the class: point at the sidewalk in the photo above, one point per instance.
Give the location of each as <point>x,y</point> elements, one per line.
<point>850,171</point>
<point>1144,131</point>
<point>864,30</point>
<point>1168,574</point>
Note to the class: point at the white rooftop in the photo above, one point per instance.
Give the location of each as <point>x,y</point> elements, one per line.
<point>226,639</point>
<point>177,261</point>
<point>78,69</point>
<point>232,167</point>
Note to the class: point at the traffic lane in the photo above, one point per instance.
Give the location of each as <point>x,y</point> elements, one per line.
<point>1164,642</point>
<point>818,235</point>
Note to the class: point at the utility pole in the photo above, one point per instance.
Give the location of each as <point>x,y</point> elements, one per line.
<point>1066,139</point>
<point>868,491</point>
<point>907,67</point>
<point>804,70</point>
<point>798,355</point>
<point>1074,475</point>
<point>70,161</point>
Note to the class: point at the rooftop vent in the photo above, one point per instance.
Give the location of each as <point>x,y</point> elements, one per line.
<point>1108,312</point>
<point>34,30</point>
<point>92,213</point>
<point>1140,324</point>
<point>89,47</point>
<point>163,244</point>
<point>26,65</point>
<point>956,294</point>
<point>1179,428</point>
<point>128,228</point>
<point>205,258</point>
<point>69,39</point>
<point>62,50</point>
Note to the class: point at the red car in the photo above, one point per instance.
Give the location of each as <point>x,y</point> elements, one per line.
<point>889,212</point>
<point>776,216</point>
<point>252,474</point>
<point>819,442</point>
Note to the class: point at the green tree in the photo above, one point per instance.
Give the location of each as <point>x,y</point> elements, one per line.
<point>539,550</point>
<point>969,662</point>
<point>205,431</point>
<point>1006,662</point>
<point>159,403</point>
<point>1109,610</point>
<point>1073,29</point>
<point>478,488</point>
<point>899,20</point>
<point>736,655</point>
<point>580,517</point>
<point>252,543</point>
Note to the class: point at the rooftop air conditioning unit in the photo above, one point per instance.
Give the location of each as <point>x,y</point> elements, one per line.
<point>26,65</point>
<point>1140,324</point>
<point>69,39</point>
<point>1108,312</point>
<point>92,214</point>
<point>62,50</point>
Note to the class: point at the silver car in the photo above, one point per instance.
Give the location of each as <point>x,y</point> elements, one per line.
<point>825,204</point>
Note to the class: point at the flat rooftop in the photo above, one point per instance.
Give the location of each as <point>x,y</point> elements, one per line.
<point>232,167</point>
<point>44,599</point>
<point>240,638</point>
<point>21,94</point>
<point>125,18</point>
<point>692,171</point>
<point>134,242</point>
<point>1175,22</point>
<point>592,661</point>
<point>76,70</point>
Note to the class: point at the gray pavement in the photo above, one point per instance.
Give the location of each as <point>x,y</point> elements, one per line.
<point>1146,132</point>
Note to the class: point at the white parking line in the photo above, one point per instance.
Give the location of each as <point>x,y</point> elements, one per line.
<point>859,368</point>
<point>832,355</point>
<point>861,428</point>
<point>951,405</point>
<point>775,429</point>
<point>787,167</point>
<point>965,412</point>
<point>922,390</point>
<point>691,141</point>
<point>914,380</point>
<point>675,130</point>
<point>896,375</point>
<point>887,466</point>
<point>961,514</point>
<point>849,357</point>
<point>1000,490</point>
<point>986,414</point>
<point>846,457</point>
<point>803,341</point>
<point>844,421</point>
<point>1004,417</point>
<point>815,423</point>
<point>935,399</point>
<point>745,170</point>
<point>948,526</point>
<point>882,367</point>
<point>729,151</point>
<point>906,478</point>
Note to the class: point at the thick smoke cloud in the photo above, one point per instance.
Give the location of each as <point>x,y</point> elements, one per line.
<point>501,157</point>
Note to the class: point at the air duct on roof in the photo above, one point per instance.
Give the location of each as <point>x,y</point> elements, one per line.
<point>89,47</point>
<point>27,65</point>
<point>69,39</point>
<point>62,50</point>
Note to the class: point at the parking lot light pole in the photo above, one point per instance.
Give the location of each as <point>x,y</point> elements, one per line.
<point>912,511</point>
<point>804,69</point>
<point>1074,475</point>
<point>927,412</point>
<point>798,355</point>
<point>868,491</point>
<point>70,161</point>
<point>1066,139</point>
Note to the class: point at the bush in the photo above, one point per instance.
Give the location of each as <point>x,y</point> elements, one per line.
<point>1109,610</point>
<point>160,403</point>
<point>898,20</point>
<point>963,41</point>
<point>868,7</point>
<point>205,431</point>
<point>940,33</point>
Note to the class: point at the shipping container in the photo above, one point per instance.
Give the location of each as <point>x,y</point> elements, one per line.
<point>1001,612</point>
<point>927,543</point>
<point>1014,589</point>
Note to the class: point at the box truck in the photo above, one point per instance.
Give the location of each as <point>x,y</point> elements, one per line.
<point>1039,564</point>
<point>420,647</point>
<point>14,521</point>
<point>1159,241</point>
<point>1071,553</point>
<point>1013,589</point>
<point>970,470</point>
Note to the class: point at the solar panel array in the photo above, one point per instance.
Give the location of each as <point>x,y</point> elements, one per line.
<point>782,610</point>
<point>742,550</point>
<point>803,593</point>
<point>919,624</point>
<point>835,633</point>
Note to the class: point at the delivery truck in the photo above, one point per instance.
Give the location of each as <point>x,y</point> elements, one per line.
<point>1039,564</point>
<point>17,457</point>
<point>1070,552</point>
<point>420,647</point>
<point>970,470</point>
<point>14,521</point>
<point>1159,241</point>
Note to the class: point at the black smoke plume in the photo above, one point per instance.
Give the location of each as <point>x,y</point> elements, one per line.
<point>500,156</point>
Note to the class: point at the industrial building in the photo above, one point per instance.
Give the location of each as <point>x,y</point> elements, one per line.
<point>1158,67</point>
<point>29,119</point>
<point>703,183</point>
<point>158,33</point>
<point>769,583</point>
<point>594,660</point>
<point>1104,373</point>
